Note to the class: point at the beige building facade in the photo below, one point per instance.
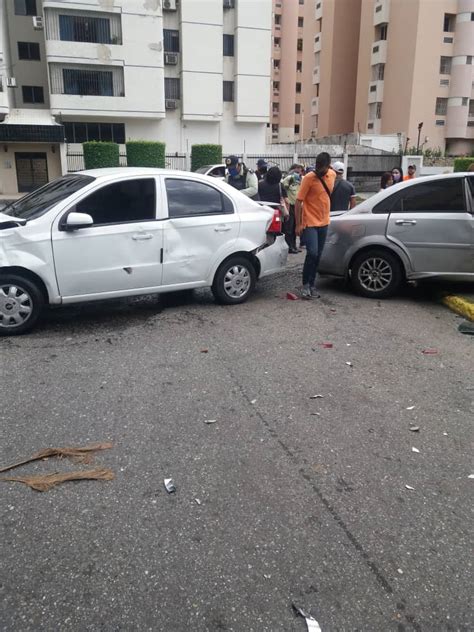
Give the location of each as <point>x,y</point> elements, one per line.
<point>387,66</point>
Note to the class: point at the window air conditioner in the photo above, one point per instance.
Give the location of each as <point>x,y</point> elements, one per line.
<point>11,82</point>
<point>171,104</point>
<point>38,22</point>
<point>169,5</point>
<point>171,59</point>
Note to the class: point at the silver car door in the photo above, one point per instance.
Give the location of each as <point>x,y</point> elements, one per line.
<point>433,224</point>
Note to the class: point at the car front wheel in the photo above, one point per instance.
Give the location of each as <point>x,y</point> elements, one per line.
<point>21,304</point>
<point>376,274</point>
<point>234,281</point>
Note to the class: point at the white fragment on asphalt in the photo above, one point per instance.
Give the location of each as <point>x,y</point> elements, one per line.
<point>414,428</point>
<point>316,414</point>
<point>313,625</point>
<point>210,421</point>
<point>409,487</point>
<point>267,576</point>
<point>198,502</point>
<point>399,570</point>
<point>254,401</point>
<point>349,363</point>
<point>471,476</point>
<point>348,344</point>
<point>445,434</point>
<point>169,485</point>
<point>410,407</point>
<point>414,450</point>
<point>316,396</point>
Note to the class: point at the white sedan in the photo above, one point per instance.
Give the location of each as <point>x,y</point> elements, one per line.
<point>110,233</point>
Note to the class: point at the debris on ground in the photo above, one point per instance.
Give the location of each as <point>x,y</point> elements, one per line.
<point>253,401</point>
<point>313,625</point>
<point>204,350</point>
<point>409,487</point>
<point>327,345</point>
<point>169,485</point>
<point>83,455</point>
<point>471,476</point>
<point>292,297</point>
<point>399,570</point>
<point>197,501</point>
<point>415,450</point>
<point>349,364</point>
<point>445,434</point>
<point>410,407</point>
<point>430,351</point>
<point>210,421</point>
<point>316,414</point>
<point>316,396</point>
<point>414,428</point>
<point>466,328</point>
<point>44,482</point>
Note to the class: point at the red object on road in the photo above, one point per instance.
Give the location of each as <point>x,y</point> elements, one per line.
<point>430,351</point>
<point>292,297</point>
<point>327,345</point>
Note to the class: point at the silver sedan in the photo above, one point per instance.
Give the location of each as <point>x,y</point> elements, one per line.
<point>418,229</point>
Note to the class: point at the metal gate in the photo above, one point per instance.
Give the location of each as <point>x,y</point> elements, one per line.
<point>31,171</point>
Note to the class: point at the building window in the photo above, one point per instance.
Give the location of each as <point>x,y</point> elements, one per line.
<point>32,94</point>
<point>83,132</point>
<point>277,18</point>
<point>301,1</point>
<point>445,66</point>
<point>297,129</point>
<point>276,86</point>
<point>299,66</point>
<point>275,108</point>
<point>378,111</point>
<point>373,88</point>
<point>381,32</point>
<point>228,45</point>
<point>28,50</point>
<point>381,72</point>
<point>88,82</point>
<point>228,91</point>
<point>25,7</point>
<point>298,88</point>
<point>469,60</point>
<point>299,44</point>
<point>276,64</point>
<point>440,122</point>
<point>370,126</point>
<point>274,130</point>
<point>449,22</point>
<point>465,101</point>
<point>297,108</point>
<point>471,107</point>
<point>276,42</point>
<point>171,40</point>
<point>81,28</point>
<point>444,82</point>
<point>441,106</point>
<point>318,6</point>
<point>172,88</point>
<point>317,89</point>
<point>300,23</point>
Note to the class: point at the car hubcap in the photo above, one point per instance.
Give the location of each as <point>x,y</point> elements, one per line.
<point>237,281</point>
<point>16,306</point>
<point>375,274</point>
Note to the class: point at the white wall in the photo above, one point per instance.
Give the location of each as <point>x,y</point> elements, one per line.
<point>4,60</point>
<point>385,142</point>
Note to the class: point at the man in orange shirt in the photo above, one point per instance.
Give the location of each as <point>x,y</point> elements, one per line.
<point>313,207</point>
<point>411,173</point>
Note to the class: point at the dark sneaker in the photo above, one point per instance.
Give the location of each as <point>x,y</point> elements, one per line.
<point>314,293</point>
<point>306,293</point>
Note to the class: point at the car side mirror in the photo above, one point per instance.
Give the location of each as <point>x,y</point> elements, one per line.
<point>77,220</point>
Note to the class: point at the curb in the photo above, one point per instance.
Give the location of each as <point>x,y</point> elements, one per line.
<point>460,305</point>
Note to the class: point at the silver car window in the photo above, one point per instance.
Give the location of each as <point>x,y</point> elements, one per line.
<point>442,196</point>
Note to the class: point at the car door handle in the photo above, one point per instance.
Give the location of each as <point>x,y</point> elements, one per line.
<point>222,229</point>
<point>405,222</point>
<point>142,236</point>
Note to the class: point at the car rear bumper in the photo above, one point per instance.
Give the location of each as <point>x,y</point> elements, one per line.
<point>273,258</point>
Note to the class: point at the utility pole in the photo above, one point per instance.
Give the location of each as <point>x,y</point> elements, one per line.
<point>420,127</point>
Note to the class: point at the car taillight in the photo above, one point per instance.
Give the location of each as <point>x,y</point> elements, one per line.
<point>275,226</point>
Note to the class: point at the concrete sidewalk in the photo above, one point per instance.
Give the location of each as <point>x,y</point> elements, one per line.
<point>462,304</point>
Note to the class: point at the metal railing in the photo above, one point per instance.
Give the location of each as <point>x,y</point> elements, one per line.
<point>87,80</point>
<point>75,161</point>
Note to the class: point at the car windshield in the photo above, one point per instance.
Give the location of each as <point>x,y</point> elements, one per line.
<point>203,169</point>
<point>39,202</point>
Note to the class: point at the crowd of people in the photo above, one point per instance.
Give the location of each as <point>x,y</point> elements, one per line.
<point>395,176</point>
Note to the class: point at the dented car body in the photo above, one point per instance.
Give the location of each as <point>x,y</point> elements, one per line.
<point>112,233</point>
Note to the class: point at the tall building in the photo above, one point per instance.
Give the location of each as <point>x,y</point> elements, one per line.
<point>385,66</point>
<point>178,71</point>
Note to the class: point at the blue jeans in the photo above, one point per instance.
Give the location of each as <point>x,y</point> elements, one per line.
<point>314,240</point>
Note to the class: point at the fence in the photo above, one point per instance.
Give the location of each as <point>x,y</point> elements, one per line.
<point>75,161</point>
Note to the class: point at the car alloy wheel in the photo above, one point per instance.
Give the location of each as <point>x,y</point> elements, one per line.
<point>16,306</point>
<point>237,281</point>
<point>375,274</point>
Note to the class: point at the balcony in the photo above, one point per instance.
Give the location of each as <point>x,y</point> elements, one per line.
<point>317,43</point>
<point>314,106</point>
<point>379,52</point>
<point>316,75</point>
<point>319,10</point>
<point>381,12</point>
<point>375,91</point>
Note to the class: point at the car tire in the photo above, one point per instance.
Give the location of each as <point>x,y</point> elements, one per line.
<point>234,281</point>
<point>376,273</point>
<point>21,304</point>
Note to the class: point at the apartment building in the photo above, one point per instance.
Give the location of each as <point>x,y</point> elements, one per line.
<point>385,66</point>
<point>178,71</point>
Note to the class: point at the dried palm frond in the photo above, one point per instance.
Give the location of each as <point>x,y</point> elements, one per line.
<point>84,455</point>
<point>44,482</point>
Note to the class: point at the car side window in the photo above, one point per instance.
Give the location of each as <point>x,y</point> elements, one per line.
<point>187,198</point>
<point>438,196</point>
<point>390,204</point>
<point>470,180</point>
<point>218,172</point>
<point>120,202</point>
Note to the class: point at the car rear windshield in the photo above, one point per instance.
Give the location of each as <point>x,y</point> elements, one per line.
<point>39,202</point>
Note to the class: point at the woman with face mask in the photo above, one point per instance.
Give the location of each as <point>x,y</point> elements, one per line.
<point>397,175</point>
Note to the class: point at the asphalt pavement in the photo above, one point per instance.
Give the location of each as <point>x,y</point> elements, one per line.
<point>286,498</point>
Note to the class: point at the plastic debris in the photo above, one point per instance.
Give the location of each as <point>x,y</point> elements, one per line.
<point>471,476</point>
<point>210,421</point>
<point>267,576</point>
<point>399,570</point>
<point>197,501</point>
<point>466,328</point>
<point>292,297</point>
<point>349,363</point>
<point>253,401</point>
<point>315,414</point>
<point>414,428</point>
<point>409,487</point>
<point>44,482</point>
<point>333,309</point>
<point>445,434</point>
<point>415,450</point>
<point>430,351</point>
<point>169,485</point>
<point>313,625</point>
<point>316,396</point>
<point>410,407</point>
<point>327,345</point>
<point>204,350</point>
